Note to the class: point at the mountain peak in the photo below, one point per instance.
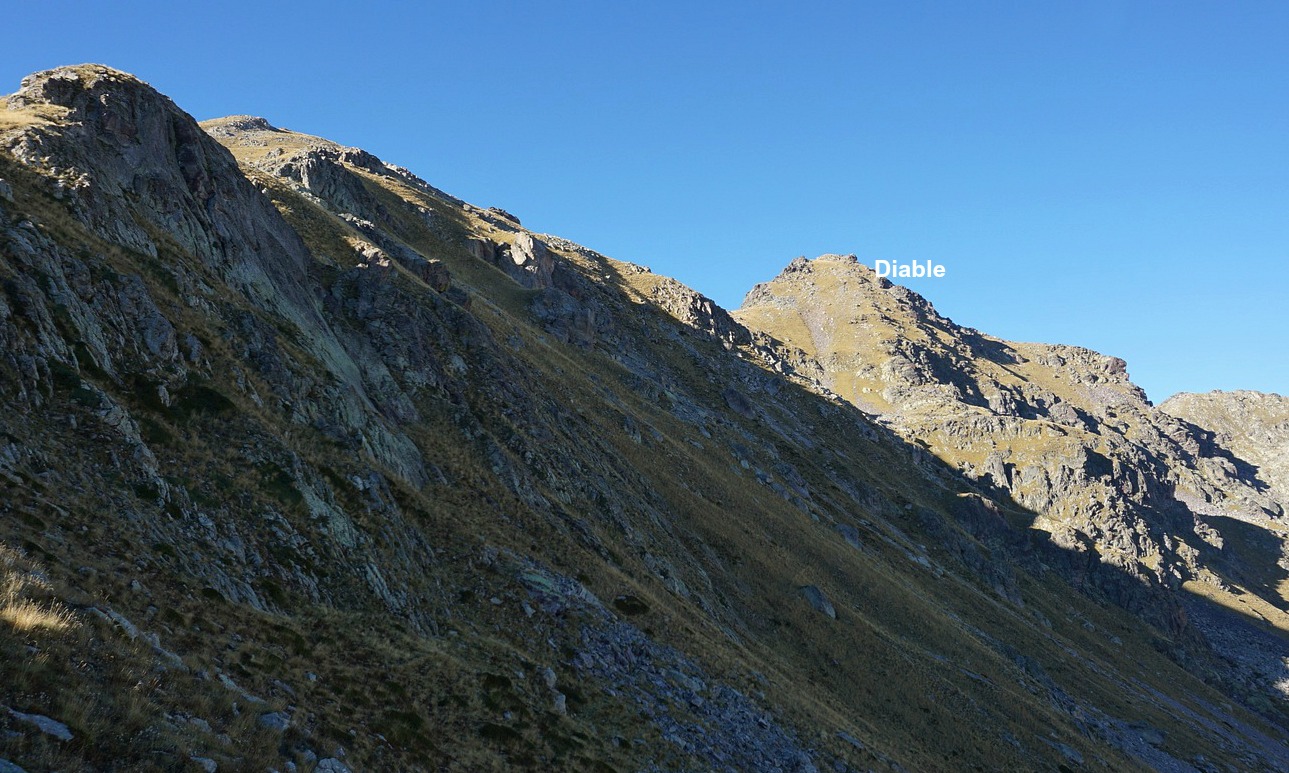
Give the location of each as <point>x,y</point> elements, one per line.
<point>78,88</point>
<point>234,124</point>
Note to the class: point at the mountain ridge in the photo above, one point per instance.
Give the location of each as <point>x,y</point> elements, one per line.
<point>382,480</point>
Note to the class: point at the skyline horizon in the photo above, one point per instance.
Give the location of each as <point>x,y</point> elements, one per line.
<point>1111,176</point>
<point>870,263</point>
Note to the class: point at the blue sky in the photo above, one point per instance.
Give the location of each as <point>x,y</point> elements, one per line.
<point>1108,174</point>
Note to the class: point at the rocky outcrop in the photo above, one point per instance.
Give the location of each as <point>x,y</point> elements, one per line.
<point>526,260</point>
<point>533,263</point>
<point>697,311</point>
<point>121,141</point>
<point>1252,426</point>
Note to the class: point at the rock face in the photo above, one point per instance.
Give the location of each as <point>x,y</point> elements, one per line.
<point>308,463</point>
<point>117,140</point>
<point>1254,426</point>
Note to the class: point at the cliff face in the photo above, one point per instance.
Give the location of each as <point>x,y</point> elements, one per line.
<point>308,463</point>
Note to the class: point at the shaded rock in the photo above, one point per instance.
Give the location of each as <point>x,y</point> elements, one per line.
<point>44,724</point>
<point>459,296</point>
<point>738,402</point>
<point>630,605</point>
<point>483,249</point>
<point>435,274</point>
<point>818,600</point>
<point>564,317</point>
<point>126,141</point>
<point>275,720</point>
<point>851,535</point>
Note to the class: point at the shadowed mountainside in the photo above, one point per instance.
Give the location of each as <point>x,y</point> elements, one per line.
<point>309,465</point>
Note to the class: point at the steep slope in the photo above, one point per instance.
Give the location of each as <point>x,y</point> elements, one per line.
<point>307,463</point>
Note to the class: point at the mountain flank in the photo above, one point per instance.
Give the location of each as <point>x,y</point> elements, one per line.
<point>309,465</point>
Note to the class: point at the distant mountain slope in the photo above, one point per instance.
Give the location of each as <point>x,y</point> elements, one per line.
<point>307,464</point>
<point>1061,429</point>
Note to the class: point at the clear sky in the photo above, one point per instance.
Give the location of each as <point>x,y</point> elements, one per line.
<point>1108,174</point>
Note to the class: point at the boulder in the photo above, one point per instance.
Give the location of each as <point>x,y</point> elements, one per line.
<point>275,720</point>
<point>44,724</point>
<point>818,600</point>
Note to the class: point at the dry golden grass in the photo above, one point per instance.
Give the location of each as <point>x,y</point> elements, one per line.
<point>38,115</point>
<point>27,615</point>
<point>1242,600</point>
<point>21,604</point>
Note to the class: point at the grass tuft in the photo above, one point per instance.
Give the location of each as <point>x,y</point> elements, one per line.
<point>27,615</point>
<point>19,603</point>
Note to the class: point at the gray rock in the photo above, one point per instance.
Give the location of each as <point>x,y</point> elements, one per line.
<point>818,600</point>
<point>331,765</point>
<point>275,720</point>
<point>6,191</point>
<point>483,249</point>
<point>205,763</point>
<point>738,402</point>
<point>112,616</point>
<point>533,261</point>
<point>503,214</point>
<point>698,312</point>
<point>564,317</point>
<point>44,724</point>
<point>8,767</point>
<point>851,535</point>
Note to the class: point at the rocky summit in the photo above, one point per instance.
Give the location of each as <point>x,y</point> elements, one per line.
<point>309,465</point>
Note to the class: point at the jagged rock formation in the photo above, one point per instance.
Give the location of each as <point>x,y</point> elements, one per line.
<point>307,464</point>
<point>1254,426</point>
